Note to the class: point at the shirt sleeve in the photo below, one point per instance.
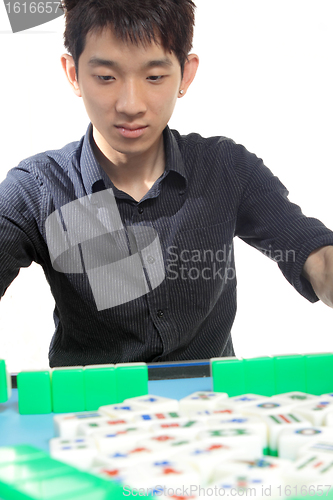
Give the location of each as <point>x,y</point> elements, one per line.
<point>268,221</point>
<point>20,208</point>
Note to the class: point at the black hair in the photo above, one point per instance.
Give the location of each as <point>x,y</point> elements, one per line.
<point>169,22</point>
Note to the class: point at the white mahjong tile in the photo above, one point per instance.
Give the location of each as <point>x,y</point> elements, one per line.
<point>204,455</point>
<point>149,419</point>
<point>322,445</point>
<point>128,456</point>
<point>316,411</point>
<point>242,485</point>
<point>265,466</point>
<point>182,427</point>
<point>123,475</point>
<point>328,420</point>
<point>182,493</point>
<point>66,425</point>
<point>320,489</point>
<point>178,446</point>
<point>107,424</point>
<point>296,397</point>
<point>205,415</point>
<point>153,404</point>
<point>243,400</point>
<point>291,440</point>
<point>241,421</point>
<point>310,468</point>
<point>269,407</point>
<point>168,473</point>
<point>109,440</point>
<point>120,410</point>
<point>278,422</point>
<point>80,452</point>
<point>169,443</point>
<point>201,400</point>
<point>235,436</point>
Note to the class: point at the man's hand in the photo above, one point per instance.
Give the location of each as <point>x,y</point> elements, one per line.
<point>318,269</point>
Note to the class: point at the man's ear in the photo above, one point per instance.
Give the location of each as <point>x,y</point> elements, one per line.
<point>68,65</point>
<point>190,69</point>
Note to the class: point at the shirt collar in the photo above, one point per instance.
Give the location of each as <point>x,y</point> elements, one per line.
<point>93,176</point>
<point>95,179</point>
<point>173,157</point>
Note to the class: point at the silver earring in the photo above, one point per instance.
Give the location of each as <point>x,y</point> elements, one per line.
<point>181,92</point>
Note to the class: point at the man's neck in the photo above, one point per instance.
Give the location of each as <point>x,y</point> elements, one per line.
<point>133,174</point>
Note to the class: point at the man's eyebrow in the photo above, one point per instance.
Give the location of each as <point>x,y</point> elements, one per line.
<point>97,61</point>
<point>165,62</point>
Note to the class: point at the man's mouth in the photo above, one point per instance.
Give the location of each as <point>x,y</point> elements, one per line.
<point>131,131</point>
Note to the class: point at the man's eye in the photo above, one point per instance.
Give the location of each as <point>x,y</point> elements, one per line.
<point>105,78</point>
<point>155,78</point>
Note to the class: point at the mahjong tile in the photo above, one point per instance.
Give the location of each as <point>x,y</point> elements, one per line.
<point>205,415</point>
<point>107,424</point>
<point>149,419</point>
<point>235,436</point>
<point>308,469</point>
<point>80,452</point>
<point>153,404</point>
<point>322,445</point>
<point>241,421</point>
<point>181,493</point>
<point>168,473</point>
<point>320,489</point>
<point>243,485</point>
<point>296,397</point>
<point>204,455</point>
<point>121,474</point>
<point>291,440</point>
<point>269,407</point>
<point>328,420</point>
<point>243,400</point>
<point>316,411</point>
<point>201,400</point>
<point>277,423</point>
<point>169,443</point>
<point>107,441</point>
<point>120,410</point>
<point>265,466</point>
<point>182,427</point>
<point>66,425</point>
<point>128,456</point>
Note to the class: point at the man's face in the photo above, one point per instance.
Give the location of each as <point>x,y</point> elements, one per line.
<point>129,92</point>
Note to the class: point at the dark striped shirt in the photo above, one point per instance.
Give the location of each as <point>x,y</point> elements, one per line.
<point>179,237</point>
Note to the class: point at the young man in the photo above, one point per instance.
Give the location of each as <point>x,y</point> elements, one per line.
<point>134,224</point>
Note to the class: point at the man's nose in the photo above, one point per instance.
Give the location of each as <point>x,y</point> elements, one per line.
<point>131,100</point>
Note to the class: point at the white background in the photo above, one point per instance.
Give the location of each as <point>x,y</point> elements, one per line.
<point>265,80</point>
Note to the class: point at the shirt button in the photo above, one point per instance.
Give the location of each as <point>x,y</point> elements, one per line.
<point>150,259</point>
<point>140,210</point>
<point>160,313</point>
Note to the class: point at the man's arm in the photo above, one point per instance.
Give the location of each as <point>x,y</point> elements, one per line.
<point>318,270</point>
<point>20,218</point>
